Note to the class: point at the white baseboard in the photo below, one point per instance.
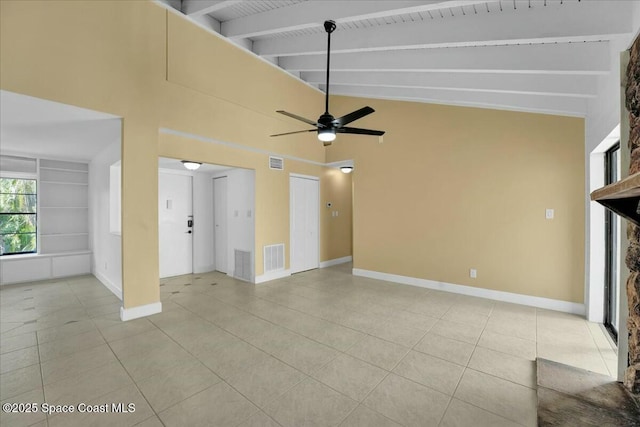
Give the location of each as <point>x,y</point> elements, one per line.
<point>547,303</point>
<point>109,284</point>
<point>272,275</point>
<point>336,261</point>
<point>140,311</point>
<point>199,269</point>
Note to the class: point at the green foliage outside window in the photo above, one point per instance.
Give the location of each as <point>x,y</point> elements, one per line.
<point>18,201</point>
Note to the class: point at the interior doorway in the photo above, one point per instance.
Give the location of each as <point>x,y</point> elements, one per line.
<point>305,226</point>
<point>206,219</point>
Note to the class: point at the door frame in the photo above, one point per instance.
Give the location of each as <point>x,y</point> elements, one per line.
<point>226,243</point>
<point>312,178</point>
<point>611,245</point>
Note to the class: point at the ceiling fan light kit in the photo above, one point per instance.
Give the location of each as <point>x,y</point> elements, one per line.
<point>327,126</point>
<point>326,135</point>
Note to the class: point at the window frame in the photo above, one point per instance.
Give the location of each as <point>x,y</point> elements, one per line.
<point>30,177</point>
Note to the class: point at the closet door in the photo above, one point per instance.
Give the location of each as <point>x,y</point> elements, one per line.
<point>304,220</point>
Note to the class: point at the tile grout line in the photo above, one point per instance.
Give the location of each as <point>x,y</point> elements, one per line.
<point>219,376</point>
<point>44,396</point>
<point>307,375</point>
<point>466,366</point>
<point>606,365</point>
<point>129,375</point>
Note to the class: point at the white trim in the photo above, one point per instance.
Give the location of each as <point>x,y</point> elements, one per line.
<point>335,261</point>
<point>140,311</point>
<point>200,269</point>
<point>299,175</point>
<point>595,230</point>
<point>176,172</point>
<point>236,146</point>
<point>341,163</point>
<point>109,284</point>
<point>272,275</point>
<point>547,303</point>
<point>483,104</point>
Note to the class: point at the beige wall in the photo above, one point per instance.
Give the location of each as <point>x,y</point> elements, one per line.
<point>455,188</point>
<point>450,188</point>
<point>111,56</point>
<point>336,189</point>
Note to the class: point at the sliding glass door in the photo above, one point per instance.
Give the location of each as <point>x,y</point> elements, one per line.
<point>612,242</point>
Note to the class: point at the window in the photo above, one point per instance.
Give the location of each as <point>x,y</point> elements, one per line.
<point>18,201</point>
<point>612,248</point>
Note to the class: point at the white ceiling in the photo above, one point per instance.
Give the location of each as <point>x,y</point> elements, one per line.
<point>524,55</point>
<point>46,129</point>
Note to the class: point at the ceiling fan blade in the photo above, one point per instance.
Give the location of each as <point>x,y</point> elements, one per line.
<point>351,117</point>
<point>294,116</point>
<point>298,131</point>
<point>360,131</point>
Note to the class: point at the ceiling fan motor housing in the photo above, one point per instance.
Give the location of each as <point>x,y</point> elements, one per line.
<point>329,26</point>
<point>326,120</point>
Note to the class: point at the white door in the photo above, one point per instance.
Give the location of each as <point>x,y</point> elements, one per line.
<point>220,219</point>
<point>174,213</point>
<point>304,199</point>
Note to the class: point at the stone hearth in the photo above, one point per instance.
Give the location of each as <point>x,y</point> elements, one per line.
<point>569,396</point>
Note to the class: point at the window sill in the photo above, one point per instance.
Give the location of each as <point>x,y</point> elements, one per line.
<point>51,255</point>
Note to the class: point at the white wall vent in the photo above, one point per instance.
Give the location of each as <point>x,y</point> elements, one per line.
<point>276,163</point>
<point>274,257</point>
<point>242,261</point>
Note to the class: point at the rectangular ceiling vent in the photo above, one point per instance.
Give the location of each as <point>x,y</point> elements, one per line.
<point>274,257</point>
<point>276,163</point>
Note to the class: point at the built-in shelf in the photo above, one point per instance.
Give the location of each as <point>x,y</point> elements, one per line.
<point>622,197</point>
<point>63,183</point>
<point>63,170</point>
<point>64,198</point>
<point>63,234</point>
<point>64,207</point>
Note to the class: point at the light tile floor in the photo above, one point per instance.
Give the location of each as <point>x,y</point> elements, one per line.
<point>321,348</point>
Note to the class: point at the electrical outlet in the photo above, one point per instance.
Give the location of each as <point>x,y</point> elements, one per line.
<point>473,273</point>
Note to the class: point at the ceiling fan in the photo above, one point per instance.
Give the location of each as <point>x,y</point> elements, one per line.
<point>327,126</point>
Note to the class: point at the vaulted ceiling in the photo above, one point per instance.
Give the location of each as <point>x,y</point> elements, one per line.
<point>525,55</point>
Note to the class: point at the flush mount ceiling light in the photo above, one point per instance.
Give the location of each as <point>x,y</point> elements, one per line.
<point>346,169</point>
<point>191,165</point>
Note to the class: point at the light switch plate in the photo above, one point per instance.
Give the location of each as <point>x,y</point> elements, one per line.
<point>548,214</point>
